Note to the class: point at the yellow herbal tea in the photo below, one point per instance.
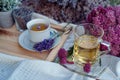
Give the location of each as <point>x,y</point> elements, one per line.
<point>86,48</point>
<point>39,27</point>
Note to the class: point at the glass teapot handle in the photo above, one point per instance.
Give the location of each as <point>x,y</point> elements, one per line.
<point>106,46</point>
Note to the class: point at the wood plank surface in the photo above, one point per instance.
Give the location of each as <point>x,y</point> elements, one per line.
<point>9,45</point>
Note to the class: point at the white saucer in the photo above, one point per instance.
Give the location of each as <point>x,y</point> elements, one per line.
<point>24,40</point>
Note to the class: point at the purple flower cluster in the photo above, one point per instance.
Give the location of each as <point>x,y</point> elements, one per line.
<point>87,67</point>
<point>109,19</point>
<point>62,54</point>
<point>103,47</point>
<point>46,44</point>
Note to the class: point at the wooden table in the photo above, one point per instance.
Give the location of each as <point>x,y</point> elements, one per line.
<point>9,45</point>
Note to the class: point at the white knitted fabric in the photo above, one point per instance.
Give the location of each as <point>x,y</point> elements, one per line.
<point>15,68</point>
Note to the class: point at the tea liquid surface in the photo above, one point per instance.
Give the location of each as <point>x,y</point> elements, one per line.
<point>39,27</point>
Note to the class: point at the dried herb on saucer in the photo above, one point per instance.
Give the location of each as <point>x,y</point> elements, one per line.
<point>46,44</point>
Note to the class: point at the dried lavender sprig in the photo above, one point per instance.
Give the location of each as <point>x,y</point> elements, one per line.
<point>46,44</point>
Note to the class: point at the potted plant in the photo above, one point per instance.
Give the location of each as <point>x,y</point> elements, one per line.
<point>115,2</point>
<point>6,7</point>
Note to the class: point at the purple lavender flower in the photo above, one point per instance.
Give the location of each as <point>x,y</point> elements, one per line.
<point>44,45</point>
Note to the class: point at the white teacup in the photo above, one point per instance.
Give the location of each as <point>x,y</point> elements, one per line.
<point>38,36</point>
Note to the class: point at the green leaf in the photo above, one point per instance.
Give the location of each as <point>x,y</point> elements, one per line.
<point>70,51</point>
<point>115,2</point>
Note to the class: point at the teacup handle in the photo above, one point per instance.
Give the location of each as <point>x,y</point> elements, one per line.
<point>107,44</point>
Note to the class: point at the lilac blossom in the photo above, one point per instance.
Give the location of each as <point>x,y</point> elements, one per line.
<point>109,19</point>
